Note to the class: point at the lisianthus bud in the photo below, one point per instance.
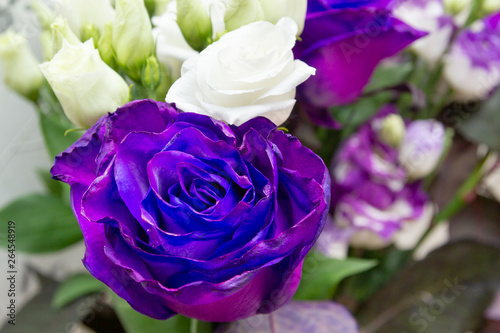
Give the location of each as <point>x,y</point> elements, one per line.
<point>44,14</point>
<point>90,31</point>
<point>422,147</point>
<point>81,12</point>
<point>241,12</point>
<point>151,73</point>
<point>491,6</point>
<point>86,87</point>
<point>19,65</point>
<point>456,6</point>
<point>194,21</point>
<point>171,47</point>
<point>274,10</point>
<point>61,32</point>
<point>132,36</point>
<point>472,67</point>
<point>105,46</point>
<point>47,44</point>
<point>392,130</point>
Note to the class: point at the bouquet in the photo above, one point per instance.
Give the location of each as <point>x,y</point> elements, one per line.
<point>259,166</point>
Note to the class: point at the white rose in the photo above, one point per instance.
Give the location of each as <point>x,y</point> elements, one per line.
<point>249,72</point>
<point>81,12</point>
<point>19,65</point>
<point>171,47</point>
<point>86,87</point>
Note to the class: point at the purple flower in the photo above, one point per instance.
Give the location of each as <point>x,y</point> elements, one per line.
<point>372,195</point>
<point>472,67</point>
<point>185,214</point>
<point>345,41</point>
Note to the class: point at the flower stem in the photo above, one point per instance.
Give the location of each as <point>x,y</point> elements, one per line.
<point>194,326</point>
<point>459,200</point>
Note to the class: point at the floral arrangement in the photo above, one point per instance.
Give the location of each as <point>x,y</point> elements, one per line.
<point>265,165</point>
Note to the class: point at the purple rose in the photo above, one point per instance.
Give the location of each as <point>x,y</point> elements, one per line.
<point>345,41</point>
<point>185,214</point>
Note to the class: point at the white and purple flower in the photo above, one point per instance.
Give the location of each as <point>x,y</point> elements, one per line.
<point>472,67</point>
<point>374,194</point>
<point>429,16</point>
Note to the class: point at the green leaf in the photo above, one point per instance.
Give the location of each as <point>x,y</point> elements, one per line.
<point>134,322</point>
<point>42,224</point>
<point>74,288</point>
<point>483,126</point>
<point>321,275</point>
<point>53,131</point>
<point>446,292</point>
<point>388,76</point>
<point>354,115</point>
<point>390,260</point>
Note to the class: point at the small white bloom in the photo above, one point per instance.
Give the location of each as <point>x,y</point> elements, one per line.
<point>132,36</point>
<point>430,17</point>
<point>19,65</point>
<point>470,82</point>
<point>422,147</point>
<point>81,12</point>
<point>411,231</point>
<point>472,67</point>
<point>249,72</point>
<point>171,47</point>
<point>86,87</point>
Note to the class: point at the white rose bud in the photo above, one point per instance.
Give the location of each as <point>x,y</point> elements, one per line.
<point>132,36</point>
<point>274,10</point>
<point>62,32</point>
<point>392,130</point>
<point>171,47</point>
<point>19,65</point>
<point>86,87</point>
<point>82,12</point>
<point>194,20</point>
<point>491,6</point>
<point>422,147</point>
<point>249,72</point>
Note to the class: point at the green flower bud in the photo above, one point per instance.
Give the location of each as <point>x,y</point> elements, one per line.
<point>19,66</point>
<point>132,37</point>
<point>47,45</point>
<point>490,6</point>
<point>60,32</point>
<point>242,12</point>
<point>45,16</point>
<point>150,7</point>
<point>456,6</point>
<point>105,46</point>
<point>274,10</point>
<point>88,31</point>
<point>392,130</point>
<point>194,22</point>
<point>151,74</point>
